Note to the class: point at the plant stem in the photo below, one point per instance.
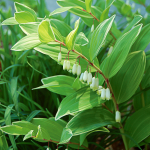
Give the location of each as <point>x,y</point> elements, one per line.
<point>108,85</point>
<point>123,137</point>
<point>99,21</point>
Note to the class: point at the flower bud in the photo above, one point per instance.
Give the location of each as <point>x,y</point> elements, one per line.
<point>99,92</point>
<point>103,94</point>
<point>65,65</point>
<point>68,65</point>
<point>81,76</point>
<point>59,57</point>
<point>78,70</point>
<point>85,76</point>
<point>92,28</point>
<point>89,78</point>
<point>74,69</point>
<point>110,50</point>
<point>107,94</point>
<point>118,116</point>
<point>109,126</point>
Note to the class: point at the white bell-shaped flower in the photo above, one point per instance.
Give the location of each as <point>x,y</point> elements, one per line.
<point>110,50</point>
<point>92,28</point>
<point>59,57</point>
<point>68,65</point>
<point>97,83</point>
<point>93,83</point>
<point>103,94</point>
<point>99,92</point>
<point>81,76</point>
<point>65,65</point>
<point>118,116</point>
<point>89,78</point>
<point>78,70</point>
<point>74,69</point>
<point>107,94</point>
<point>85,76</point>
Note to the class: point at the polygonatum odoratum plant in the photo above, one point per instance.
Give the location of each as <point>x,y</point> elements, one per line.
<point>106,86</point>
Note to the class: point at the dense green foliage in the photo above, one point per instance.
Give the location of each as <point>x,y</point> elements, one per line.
<point>44,105</point>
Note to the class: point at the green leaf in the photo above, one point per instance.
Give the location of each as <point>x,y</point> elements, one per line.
<point>63,9</point>
<point>24,17</point>
<point>81,39</point>
<point>129,77</point>
<point>3,141</point>
<point>70,39</point>
<point>10,21</point>
<point>28,135</point>
<point>25,124</point>
<point>112,64</point>
<point>53,128</point>
<point>84,135</point>
<point>66,136</point>
<point>21,7</point>
<point>88,4</point>
<point>81,100</point>
<point>89,120</point>
<point>45,31</point>
<point>28,42</point>
<point>59,25</point>
<point>60,10</point>
<point>59,84</point>
<point>143,39</point>
<point>74,3</point>
<point>58,35</point>
<point>77,84</point>
<point>104,14</point>
<point>29,28</point>
<point>136,20</point>
<point>138,125</point>
<point>14,130</point>
<point>126,9</point>
<point>99,36</point>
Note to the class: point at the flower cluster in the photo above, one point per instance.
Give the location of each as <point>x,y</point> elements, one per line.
<point>92,81</point>
<point>94,85</point>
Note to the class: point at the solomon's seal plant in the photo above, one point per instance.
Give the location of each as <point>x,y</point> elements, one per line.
<point>106,72</point>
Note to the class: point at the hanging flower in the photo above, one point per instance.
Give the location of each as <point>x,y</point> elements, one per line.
<point>65,65</point>
<point>93,83</point>
<point>85,76</point>
<point>81,76</point>
<point>59,57</point>
<point>68,65</point>
<point>92,28</point>
<point>89,78</point>
<point>107,94</point>
<point>74,69</point>
<point>118,116</point>
<point>78,70</point>
<point>103,93</point>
